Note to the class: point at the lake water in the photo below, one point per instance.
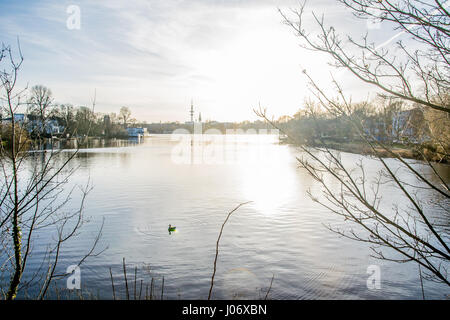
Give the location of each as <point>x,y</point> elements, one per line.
<point>141,188</point>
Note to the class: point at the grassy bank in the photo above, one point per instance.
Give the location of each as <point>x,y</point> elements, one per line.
<point>404,151</point>
<point>361,148</point>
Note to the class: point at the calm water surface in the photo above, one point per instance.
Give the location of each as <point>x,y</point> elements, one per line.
<point>139,189</point>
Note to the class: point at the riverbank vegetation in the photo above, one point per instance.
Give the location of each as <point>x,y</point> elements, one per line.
<point>409,131</point>
<point>34,190</point>
<point>43,118</point>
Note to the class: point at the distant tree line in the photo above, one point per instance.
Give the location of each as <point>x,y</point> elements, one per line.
<point>389,121</point>
<point>42,114</point>
<point>81,121</point>
<point>169,127</point>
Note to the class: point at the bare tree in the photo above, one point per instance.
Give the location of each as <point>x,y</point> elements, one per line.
<point>33,193</point>
<point>124,115</point>
<point>420,77</point>
<point>40,104</point>
<point>40,101</point>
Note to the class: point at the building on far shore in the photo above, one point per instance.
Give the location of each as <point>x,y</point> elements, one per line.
<point>18,117</point>
<point>33,124</point>
<point>136,132</point>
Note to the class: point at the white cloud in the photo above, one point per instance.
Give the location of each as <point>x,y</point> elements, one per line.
<point>155,55</point>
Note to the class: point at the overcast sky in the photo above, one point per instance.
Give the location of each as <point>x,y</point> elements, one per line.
<point>154,56</point>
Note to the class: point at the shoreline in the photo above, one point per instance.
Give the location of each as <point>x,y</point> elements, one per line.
<point>363,149</point>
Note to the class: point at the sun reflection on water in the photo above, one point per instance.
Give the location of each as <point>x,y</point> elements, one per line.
<point>269,182</point>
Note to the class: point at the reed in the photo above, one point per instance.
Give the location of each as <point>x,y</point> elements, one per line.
<point>112,284</point>
<point>125,277</point>
<point>138,289</point>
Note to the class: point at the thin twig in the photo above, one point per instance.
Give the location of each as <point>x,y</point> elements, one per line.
<point>151,289</point>
<point>112,283</point>
<point>270,287</point>
<point>126,281</point>
<point>421,282</point>
<point>162,289</point>
<point>140,290</point>
<point>135,275</point>
<point>217,246</point>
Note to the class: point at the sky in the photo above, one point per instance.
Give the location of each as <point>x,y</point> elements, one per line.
<point>154,56</point>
